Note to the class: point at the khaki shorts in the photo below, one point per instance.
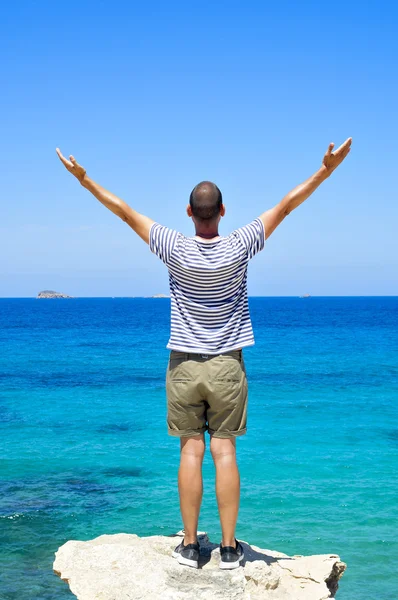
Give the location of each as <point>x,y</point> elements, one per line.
<point>206,393</point>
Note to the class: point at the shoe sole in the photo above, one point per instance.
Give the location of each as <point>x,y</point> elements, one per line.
<point>231,565</point>
<point>185,561</point>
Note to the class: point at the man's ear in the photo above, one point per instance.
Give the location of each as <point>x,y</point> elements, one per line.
<point>222,210</point>
<point>189,210</point>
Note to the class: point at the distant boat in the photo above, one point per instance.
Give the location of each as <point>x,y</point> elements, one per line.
<point>305,296</point>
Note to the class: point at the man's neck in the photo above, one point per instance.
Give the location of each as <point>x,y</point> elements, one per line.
<point>206,234</point>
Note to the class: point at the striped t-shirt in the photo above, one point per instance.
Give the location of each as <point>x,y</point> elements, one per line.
<point>208,287</point>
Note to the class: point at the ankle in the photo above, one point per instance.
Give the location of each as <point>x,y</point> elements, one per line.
<point>228,542</point>
<point>190,540</point>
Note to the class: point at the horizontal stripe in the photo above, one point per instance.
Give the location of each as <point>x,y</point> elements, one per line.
<point>208,287</point>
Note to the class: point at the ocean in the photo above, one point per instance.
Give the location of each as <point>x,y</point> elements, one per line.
<point>84,448</point>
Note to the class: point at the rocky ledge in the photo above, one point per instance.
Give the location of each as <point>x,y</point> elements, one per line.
<point>51,294</point>
<point>127,567</point>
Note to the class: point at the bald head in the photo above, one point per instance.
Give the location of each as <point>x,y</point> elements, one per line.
<point>205,201</point>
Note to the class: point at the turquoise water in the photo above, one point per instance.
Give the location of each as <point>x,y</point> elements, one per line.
<point>84,448</point>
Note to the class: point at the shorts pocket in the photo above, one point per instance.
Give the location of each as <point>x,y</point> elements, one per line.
<point>178,370</point>
<point>226,370</point>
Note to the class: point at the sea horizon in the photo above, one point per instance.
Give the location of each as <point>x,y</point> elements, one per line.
<point>249,296</point>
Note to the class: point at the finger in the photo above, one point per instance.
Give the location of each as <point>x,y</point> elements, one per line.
<point>342,155</point>
<point>74,161</point>
<point>329,150</point>
<point>343,146</point>
<point>63,159</point>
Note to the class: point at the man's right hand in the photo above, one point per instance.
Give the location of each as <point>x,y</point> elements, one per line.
<point>331,160</point>
<point>73,167</point>
<point>138,222</point>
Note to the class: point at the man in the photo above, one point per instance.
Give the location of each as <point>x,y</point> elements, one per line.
<point>210,324</point>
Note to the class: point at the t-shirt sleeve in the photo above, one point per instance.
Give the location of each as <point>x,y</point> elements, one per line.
<point>252,236</point>
<point>162,241</point>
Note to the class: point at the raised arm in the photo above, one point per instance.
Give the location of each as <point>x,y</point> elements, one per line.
<point>140,223</point>
<point>274,216</point>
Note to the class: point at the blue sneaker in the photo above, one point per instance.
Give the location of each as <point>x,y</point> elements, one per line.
<point>231,557</point>
<point>187,555</point>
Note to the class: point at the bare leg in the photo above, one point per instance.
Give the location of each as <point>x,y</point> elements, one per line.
<point>190,484</point>
<point>227,486</point>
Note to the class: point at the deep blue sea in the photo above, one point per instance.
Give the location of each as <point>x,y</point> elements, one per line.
<point>84,448</point>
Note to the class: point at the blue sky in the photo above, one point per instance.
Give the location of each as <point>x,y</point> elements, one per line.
<point>153,98</point>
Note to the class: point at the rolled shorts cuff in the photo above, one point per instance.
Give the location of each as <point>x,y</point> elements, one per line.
<point>227,434</point>
<point>186,432</point>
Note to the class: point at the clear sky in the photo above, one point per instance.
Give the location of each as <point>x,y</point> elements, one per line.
<point>154,97</point>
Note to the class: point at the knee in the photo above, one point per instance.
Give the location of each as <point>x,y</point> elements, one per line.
<point>223,449</point>
<point>194,447</point>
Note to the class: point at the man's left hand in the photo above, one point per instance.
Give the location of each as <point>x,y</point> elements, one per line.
<point>73,167</point>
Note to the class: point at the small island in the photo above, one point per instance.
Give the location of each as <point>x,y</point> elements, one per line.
<point>52,294</point>
<point>160,296</point>
<point>305,296</point>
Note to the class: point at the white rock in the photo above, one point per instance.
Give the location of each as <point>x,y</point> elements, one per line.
<point>126,567</point>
